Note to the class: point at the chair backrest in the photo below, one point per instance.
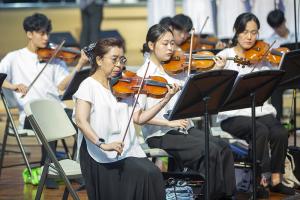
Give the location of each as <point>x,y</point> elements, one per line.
<point>50,118</point>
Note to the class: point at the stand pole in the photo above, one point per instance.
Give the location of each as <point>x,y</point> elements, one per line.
<point>206,126</point>
<point>253,145</point>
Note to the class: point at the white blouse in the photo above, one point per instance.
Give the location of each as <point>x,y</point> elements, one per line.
<point>259,111</point>
<point>108,118</point>
<point>147,102</point>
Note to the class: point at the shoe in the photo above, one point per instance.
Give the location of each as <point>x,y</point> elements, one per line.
<point>51,184</point>
<point>282,189</point>
<point>262,193</point>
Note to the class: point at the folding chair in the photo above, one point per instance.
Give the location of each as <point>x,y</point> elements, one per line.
<point>9,103</point>
<point>50,122</point>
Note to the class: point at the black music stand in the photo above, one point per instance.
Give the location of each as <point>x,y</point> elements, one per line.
<point>251,90</point>
<point>290,63</point>
<point>203,94</point>
<point>75,82</point>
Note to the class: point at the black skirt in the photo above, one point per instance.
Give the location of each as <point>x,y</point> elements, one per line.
<point>128,179</point>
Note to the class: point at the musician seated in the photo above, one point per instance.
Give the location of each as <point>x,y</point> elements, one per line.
<point>23,65</point>
<point>269,131</point>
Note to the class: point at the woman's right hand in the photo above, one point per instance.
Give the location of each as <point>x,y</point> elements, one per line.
<point>219,62</point>
<point>20,88</point>
<point>114,146</point>
<point>181,123</point>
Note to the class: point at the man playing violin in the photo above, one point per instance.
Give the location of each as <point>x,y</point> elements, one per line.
<point>23,65</point>
<point>269,130</point>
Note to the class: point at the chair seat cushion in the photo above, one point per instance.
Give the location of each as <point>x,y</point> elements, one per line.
<point>71,168</point>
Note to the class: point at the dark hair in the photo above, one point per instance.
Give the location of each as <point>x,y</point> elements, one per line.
<point>154,33</point>
<point>240,24</point>
<point>166,21</point>
<point>182,22</point>
<point>37,22</point>
<point>275,18</point>
<point>101,48</point>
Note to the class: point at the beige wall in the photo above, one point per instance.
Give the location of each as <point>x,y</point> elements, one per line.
<point>131,22</point>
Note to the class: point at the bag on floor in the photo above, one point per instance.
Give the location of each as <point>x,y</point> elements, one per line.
<point>289,179</point>
<point>178,190</point>
<point>34,179</point>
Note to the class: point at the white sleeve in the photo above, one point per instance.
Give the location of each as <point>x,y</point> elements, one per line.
<point>5,66</point>
<point>85,92</point>
<point>61,71</point>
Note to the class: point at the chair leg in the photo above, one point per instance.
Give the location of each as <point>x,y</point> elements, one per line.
<point>3,148</point>
<point>66,148</point>
<point>66,194</point>
<point>42,180</point>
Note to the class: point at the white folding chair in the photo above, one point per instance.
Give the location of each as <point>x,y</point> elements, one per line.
<point>50,122</point>
<point>11,129</point>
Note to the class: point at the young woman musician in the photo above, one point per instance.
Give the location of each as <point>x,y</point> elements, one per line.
<point>178,137</point>
<point>238,122</point>
<point>102,120</point>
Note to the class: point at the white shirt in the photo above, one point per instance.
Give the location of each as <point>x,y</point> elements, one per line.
<point>22,66</point>
<point>147,102</point>
<point>280,40</point>
<point>198,10</point>
<point>108,118</point>
<point>259,111</point>
<point>158,9</point>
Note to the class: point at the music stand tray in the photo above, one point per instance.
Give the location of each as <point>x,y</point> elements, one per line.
<point>251,90</point>
<point>290,63</point>
<point>75,82</point>
<point>215,84</point>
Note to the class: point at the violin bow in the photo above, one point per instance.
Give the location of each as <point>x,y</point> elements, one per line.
<point>134,104</point>
<point>50,60</point>
<point>264,55</point>
<point>202,28</point>
<point>190,53</point>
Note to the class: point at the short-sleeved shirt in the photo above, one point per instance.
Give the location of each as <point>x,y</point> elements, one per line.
<point>108,118</point>
<point>259,111</point>
<point>280,40</point>
<point>147,102</point>
<point>22,66</point>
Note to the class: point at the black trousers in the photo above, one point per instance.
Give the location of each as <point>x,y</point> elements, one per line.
<point>270,135</point>
<point>53,144</point>
<point>189,150</point>
<point>91,18</point>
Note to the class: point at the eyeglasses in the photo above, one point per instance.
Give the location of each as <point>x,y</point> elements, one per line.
<point>118,61</point>
<point>252,33</point>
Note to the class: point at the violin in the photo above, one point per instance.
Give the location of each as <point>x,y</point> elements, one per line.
<point>129,84</point>
<point>201,61</point>
<point>67,54</point>
<point>200,43</point>
<point>261,52</point>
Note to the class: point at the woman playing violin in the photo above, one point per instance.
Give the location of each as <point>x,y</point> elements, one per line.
<point>22,66</point>
<point>179,138</point>
<point>269,130</point>
<point>102,121</point>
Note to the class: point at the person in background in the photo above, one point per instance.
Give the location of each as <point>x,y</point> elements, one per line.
<point>23,65</point>
<point>91,18</point>
<point>271,136</point>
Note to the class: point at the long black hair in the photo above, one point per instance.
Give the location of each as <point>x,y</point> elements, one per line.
<point>154,33</point>
<point>240,25</point>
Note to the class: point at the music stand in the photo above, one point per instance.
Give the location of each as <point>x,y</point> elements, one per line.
<point>75,82</point>
<point>251,90</point>
<point>290,63</point>
<point>203,94</point>
<point>290,46</point>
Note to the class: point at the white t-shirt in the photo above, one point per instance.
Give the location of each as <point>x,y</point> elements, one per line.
<point>22,66</point>
<point>147,102</point>
<point>259,111</point>
<point>280,40</point>
<point>108,118</point>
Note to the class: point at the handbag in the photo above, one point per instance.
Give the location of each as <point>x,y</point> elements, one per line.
<point>178,190</point>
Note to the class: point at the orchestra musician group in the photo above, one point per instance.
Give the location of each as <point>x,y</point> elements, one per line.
<point>113,164</point>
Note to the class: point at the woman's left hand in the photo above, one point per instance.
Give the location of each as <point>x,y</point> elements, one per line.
<point>172,91</point>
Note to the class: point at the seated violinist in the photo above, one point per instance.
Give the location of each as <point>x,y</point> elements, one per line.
<point>102,119</point>
<point>23,65</point>
<point>272,137</point>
